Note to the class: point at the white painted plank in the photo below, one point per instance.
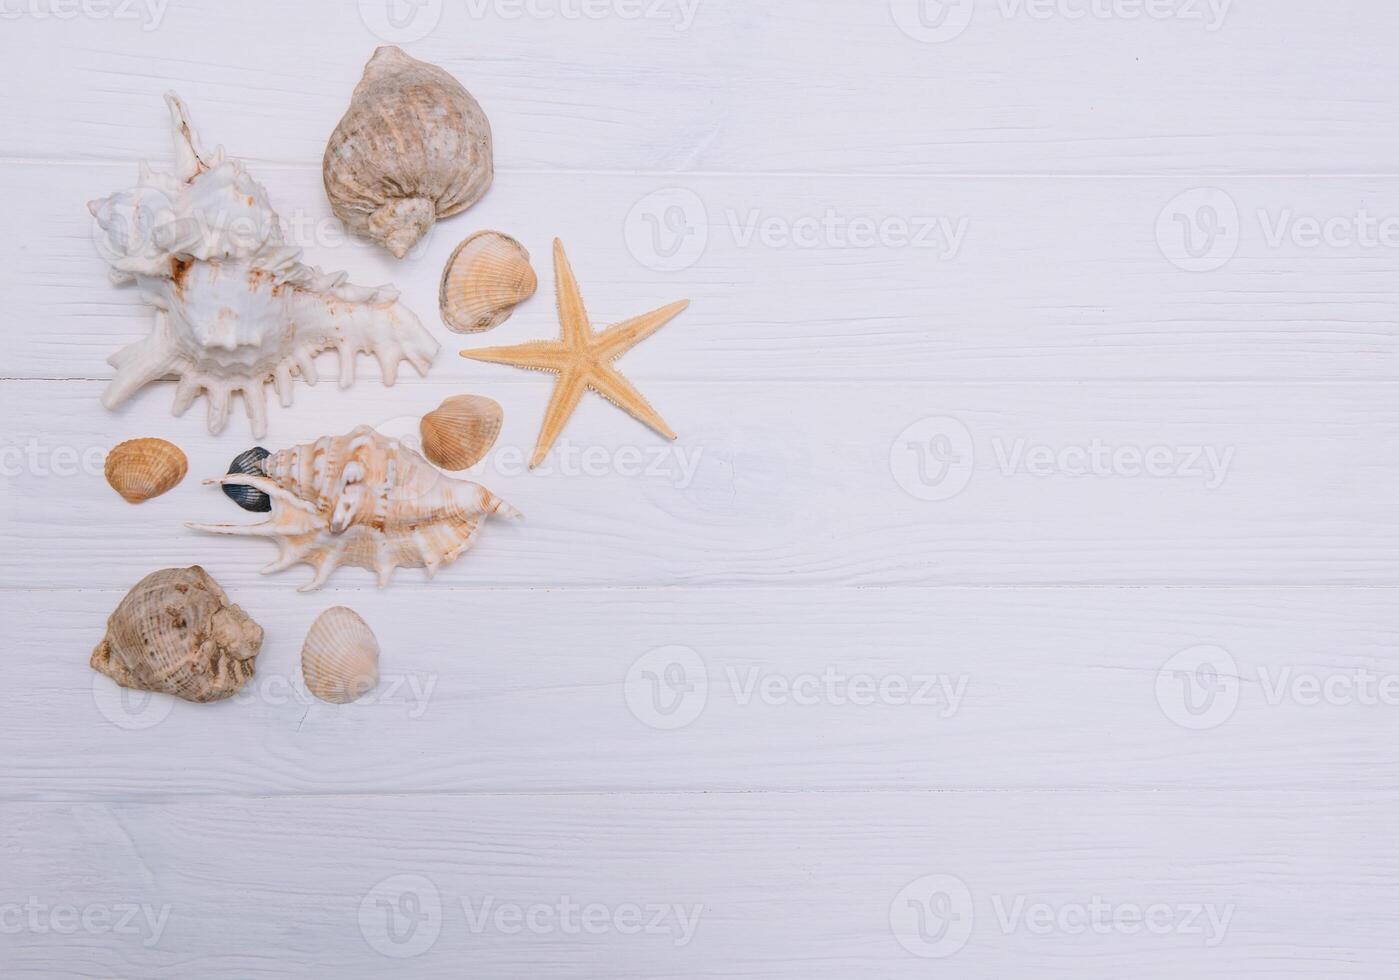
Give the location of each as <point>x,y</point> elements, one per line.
<point>1049,278</point>
<point>1250,86</point>
<point>562,691</point>
<point>809,886</point>
<point>783,484</point>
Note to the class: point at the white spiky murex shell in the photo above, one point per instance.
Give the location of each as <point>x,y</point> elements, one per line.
<point>176,633</point>
<point>412,148</point>
<point>340,658</point>
<point>236,308</point>
<point>363,499</point>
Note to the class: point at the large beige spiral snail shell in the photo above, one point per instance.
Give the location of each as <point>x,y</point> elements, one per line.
<point>413,147</point>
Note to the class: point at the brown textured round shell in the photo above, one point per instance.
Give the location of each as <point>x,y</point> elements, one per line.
<point>412,148</point>
<point>140,469</point>
<point>460,431</point>
<point>176,633</point>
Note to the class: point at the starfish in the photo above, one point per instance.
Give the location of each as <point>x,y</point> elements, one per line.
<point>583,359</point>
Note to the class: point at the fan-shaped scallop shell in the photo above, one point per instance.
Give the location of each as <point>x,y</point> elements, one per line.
<point>412,148</point>
<point>485,279</point>
<point>460,431</point>
<point>363,499</point>
<point>140,469</point>
<point>175,633</point>
<point>340,658</point>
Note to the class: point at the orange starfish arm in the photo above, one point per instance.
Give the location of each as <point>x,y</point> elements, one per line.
<point>622,337</point>
<point>537,355</point>
<point>574,329</point>
<point>562,402</point>
<point>608,383</point>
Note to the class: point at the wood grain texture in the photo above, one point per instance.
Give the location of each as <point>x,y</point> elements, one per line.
<point>1170,232</point>
<point>550,691</point>
<point>783,484</point>
<point>777,290</point>
<point>790,884</point>
<point>788,86</point>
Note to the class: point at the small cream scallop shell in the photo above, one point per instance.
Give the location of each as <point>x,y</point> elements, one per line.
<point>460,431</point>
<point>485,279</point>
<point>340,658</point>
<point>140,469</point>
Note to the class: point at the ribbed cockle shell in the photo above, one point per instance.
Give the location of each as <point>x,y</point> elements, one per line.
<point>486,277</point>
<point>412,148</point>
<point>140,469</point>
<point>363,499</point>
<point>460,431</point>
<point>340,658</point>
<point>175,633</point>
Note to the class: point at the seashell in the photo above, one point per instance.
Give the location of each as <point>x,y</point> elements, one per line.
<point>460,431</point>
<point>235,306</point>
<point>249,498</point>
<point>340,658</point>
<point>486,277</point>
<point>412,148</point>
<point>363,499</point>
<point>175,633</point>
<point>140,469</point>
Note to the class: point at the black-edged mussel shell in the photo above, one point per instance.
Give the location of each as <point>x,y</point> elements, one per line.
<point>249,498</point>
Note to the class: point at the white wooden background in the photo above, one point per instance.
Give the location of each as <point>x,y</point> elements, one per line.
<point>512,761</point>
